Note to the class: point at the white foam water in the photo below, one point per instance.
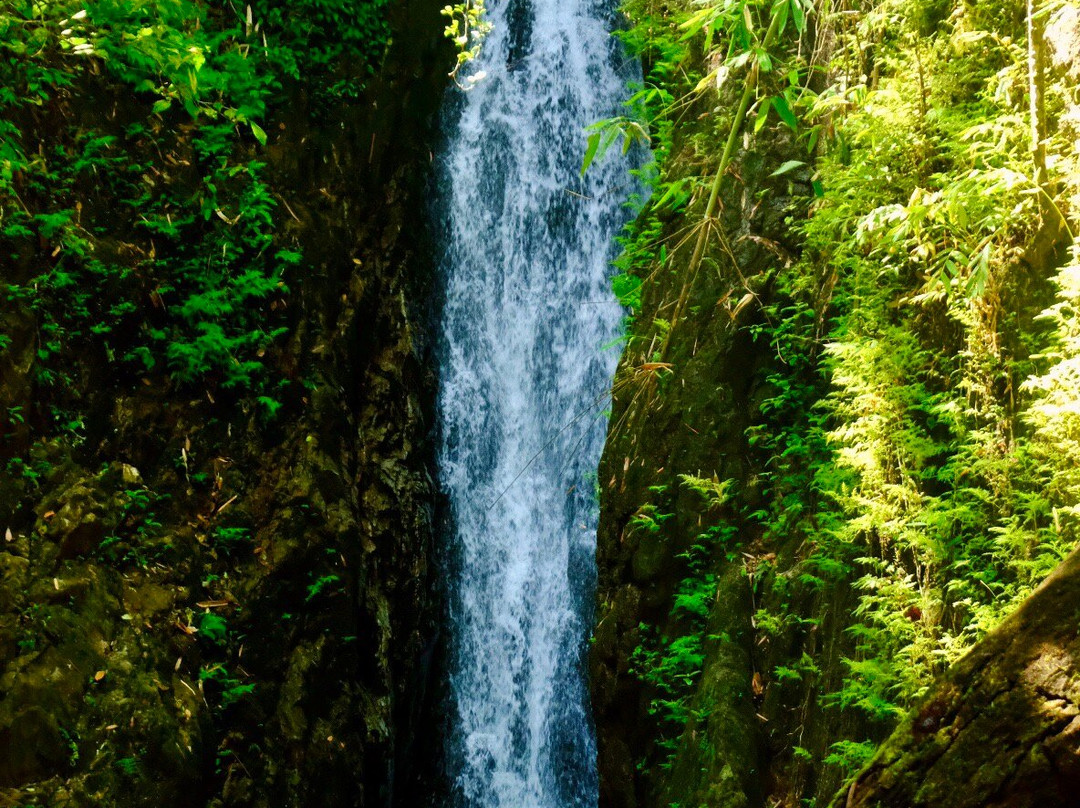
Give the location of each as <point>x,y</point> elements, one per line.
<point>527,245</point>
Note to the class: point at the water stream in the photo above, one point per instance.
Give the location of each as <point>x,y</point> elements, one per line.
<point>523,369</point>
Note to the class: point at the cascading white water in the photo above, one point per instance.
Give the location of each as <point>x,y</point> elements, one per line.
<point>528,308</point>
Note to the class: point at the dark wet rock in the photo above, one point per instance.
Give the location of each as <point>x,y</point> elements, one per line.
<point>200,608</point>
<point>31,748</point>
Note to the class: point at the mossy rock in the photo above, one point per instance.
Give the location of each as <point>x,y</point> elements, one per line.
<point>31,748</point>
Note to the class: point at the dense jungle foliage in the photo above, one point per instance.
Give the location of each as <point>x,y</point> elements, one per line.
<point>909,346</point>
<point>143,244</point>
<point>915,440</point>
<point>141,241</point>
<point>201,313</point>
<point>150,238</point>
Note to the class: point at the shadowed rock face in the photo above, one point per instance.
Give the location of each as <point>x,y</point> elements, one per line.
<point>689,423</point>
<point>117,688</point>
<point>1003,726</point>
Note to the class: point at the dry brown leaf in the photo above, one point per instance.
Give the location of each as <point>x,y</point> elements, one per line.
<point>228,502</point>
<point>213,604</point>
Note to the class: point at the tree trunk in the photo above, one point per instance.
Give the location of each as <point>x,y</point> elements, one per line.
<point>1003,726</point>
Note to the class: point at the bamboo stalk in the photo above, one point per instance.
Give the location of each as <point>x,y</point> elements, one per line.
<point>725,160</point>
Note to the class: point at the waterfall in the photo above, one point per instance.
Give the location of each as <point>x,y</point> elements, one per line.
<point>527,245</point>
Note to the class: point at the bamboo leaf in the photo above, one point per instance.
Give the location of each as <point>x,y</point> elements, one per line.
<point>763,115</point>
<point>790,165</point>
<point>798,15</point>
<point>785,113</point>
<point>590,152</point>
<point>781,11</point>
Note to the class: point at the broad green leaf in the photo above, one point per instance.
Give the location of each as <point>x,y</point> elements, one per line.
<point>781,11</point>
<point>590,152</point>
<point>785,113</point>
<point>763,115</point>
<point>798,14</point>
<point>790,165</point>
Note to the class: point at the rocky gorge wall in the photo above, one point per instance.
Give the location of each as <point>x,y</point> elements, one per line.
<point>734,661</point>
<point>200,605</point>
<point>682,403</point>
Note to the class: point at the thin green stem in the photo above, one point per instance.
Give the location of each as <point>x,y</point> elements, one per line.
<point>749,91</point>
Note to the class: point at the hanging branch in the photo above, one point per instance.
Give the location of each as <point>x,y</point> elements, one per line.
<point>779,15</point>
<point>1036,60</point>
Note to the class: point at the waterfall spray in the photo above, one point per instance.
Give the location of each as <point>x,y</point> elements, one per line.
<point>527,249</point>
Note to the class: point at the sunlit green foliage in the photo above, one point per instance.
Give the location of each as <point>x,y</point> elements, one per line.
<point>466,27</point>
<point>919,439</point>
<point>930,492</point>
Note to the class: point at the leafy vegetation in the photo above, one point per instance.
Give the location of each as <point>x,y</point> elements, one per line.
<point>153,348</point>
<point>146,240</point>
<point>466,27</point>
<point>930,486</point>
<point>917,438</point>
